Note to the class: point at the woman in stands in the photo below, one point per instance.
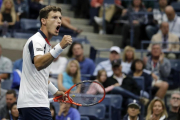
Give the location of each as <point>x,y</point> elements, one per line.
<point>8,16</point>
<point>70,77</point>
<point>53,112</point>
<point>156,110</point>
<point>128,58</point>
<point>13,113</point>
<point>137,71</point>
<point>95,88</point>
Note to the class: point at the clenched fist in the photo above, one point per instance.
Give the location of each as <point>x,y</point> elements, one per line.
<point>66,40</point>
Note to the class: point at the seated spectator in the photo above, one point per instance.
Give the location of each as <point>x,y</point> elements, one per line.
<point>53,112</point>
<point>34,7</point>
<point>126,86</point>
<point>165,36</point>
<point>128,58</point>
<point>173,20</point>
<point>156,110</point>
<point>95,88</point>
<point>67,112</point>
<point>133,111</point>
<point>160,68</point>
<point>137,21</point>
<point>106,65</point>
<point>67,23</point>
<point>72,76</point>
<point>2,96</point>
<point>5,66</point>
<point>8,16</point>
<point>87,66</point>
<point>174,106</point>
<point>13,114</point>
<point>10,99</point>
<point>21,8</point>
<point>17,65</point>
<point>158,16</point>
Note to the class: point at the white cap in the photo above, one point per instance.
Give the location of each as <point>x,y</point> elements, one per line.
<point>115,48</point>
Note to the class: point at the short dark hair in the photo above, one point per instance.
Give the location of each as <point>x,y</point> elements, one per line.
<point>70,52</point>
<point>45,11</point>
<point>11,92</point>
<point>133,66</point>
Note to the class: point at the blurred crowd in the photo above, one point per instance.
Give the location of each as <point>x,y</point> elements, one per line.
<point>118,72</point>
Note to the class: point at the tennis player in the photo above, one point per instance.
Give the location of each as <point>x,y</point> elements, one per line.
<point>33,103</point>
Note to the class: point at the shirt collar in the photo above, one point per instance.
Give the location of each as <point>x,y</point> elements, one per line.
<point>130,119</point>
<point>44,36</point>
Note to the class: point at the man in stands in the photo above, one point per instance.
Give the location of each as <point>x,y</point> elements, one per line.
<point>165,36</point>
<point>133,111</point>
<point>175,105</point>
<point>2,96</point>
<point>10,98</point>
<point>106,65</point>
<point>173,20</point>
<point>87,66</point>
<point>5,66</point>
<point>160,67</point>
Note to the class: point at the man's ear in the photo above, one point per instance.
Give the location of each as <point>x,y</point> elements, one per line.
<point>43,21</point>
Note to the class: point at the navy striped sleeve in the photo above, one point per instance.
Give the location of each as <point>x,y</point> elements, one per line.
<point>31,50</point>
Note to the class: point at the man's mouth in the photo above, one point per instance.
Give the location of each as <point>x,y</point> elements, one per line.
<point>58,28</point>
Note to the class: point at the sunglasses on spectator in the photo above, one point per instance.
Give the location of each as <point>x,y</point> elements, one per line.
<point>175,98</point>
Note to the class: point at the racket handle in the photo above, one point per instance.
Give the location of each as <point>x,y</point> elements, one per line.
<point>51,100</point>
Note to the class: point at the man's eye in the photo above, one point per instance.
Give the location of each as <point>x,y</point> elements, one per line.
<point>55,17</point>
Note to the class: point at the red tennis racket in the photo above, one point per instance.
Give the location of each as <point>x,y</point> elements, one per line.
<point>87,95</point>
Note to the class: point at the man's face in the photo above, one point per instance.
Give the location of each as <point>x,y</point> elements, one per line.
<point>114,56</point>
<point>53,23</point>
<point>156,50</point>
<point>175,100</point>
<point>10,99</point>
<point>117,70</point>
<point>163,3</point>
<point>170,15</point>
<point>165,28</point>
<point>133,111</point>
<point>77,50</point>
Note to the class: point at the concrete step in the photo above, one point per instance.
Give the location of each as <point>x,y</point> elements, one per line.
<point>79,21</point>
<point>85,28</point>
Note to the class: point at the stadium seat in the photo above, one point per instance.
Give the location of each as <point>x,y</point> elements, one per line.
<point>176,5</point>
<point>175,64</point>
<point>98,60</point>
<point>84,118</point>
<point>96,112</point>
<point>30,24</point>
<point>22,35</point>
<point>6,84</point>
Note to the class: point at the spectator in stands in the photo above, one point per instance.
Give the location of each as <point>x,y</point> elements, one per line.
<point>67,23</point>
<point>158,17</point>
<point>18,64</point>
<point>72,76</point>
<point>58,66</point>
<point>10,99</point>
<point>21,8</point>
<point>106,65</point>
<point>87,66</point>
<point>175,105</point>
<point>95,88</point>
<point>133,111</point>
<point>165,36</point>
<point>34,8</point>
<point>161,67</point>
<point>156,110</point>
<point>126,86</point>
<point>8,16</point>
<point>128,58</point>
<point>67,112</point>
<point>2,96</point>
<point>173,20</point>
<point>53,112</point>
<point>13,114</point>
<point>5,66</point>
<point>135,20</point>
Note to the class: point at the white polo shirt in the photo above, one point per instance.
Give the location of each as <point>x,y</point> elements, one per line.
<point>33,90</point>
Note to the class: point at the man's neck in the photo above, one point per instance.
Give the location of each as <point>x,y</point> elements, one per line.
<point>119,75</point>
<point>162,9</point>
<point>129,60</point>
<point>79,58</point>
<point>155,59</point>
<point>133,118</point>
<point>44,30</point>
<point>175,109</point>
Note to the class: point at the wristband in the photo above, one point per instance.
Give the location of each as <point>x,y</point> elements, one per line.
<point>51,88</point>
<point>56,51</point>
